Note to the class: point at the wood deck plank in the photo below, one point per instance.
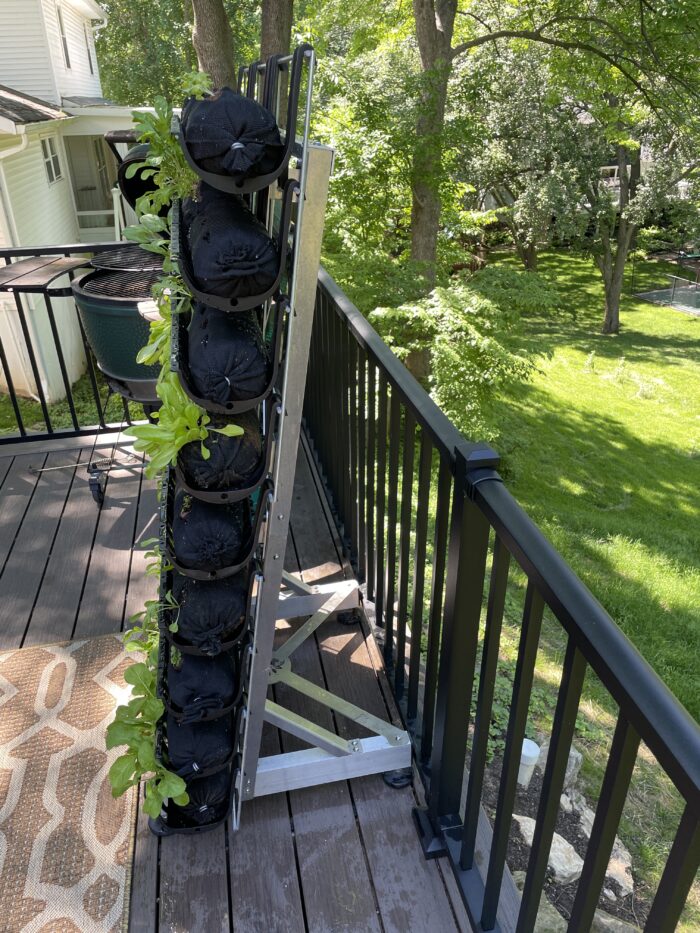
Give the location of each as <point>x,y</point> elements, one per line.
<point>5,464</point>
<point>337,887</point>
<point>143,905</point>
<point>24,568</point>
<point>410,890</point>
<point>56,607</point>
<point>103,601</point>
<point>265,892</point>
<point>193,884</point>
<point>15,495</point>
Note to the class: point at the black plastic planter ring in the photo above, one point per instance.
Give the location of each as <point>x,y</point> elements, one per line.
<point>179,363</point>
<point>181,256</point>
<point>272,412</point>
<point>168,490</point>
<point>233,185</point>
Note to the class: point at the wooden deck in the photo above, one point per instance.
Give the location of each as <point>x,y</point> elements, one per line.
<point>341,857</point>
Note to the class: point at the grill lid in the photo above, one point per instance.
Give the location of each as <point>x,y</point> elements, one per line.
<point>128,285</point>
<point>130,258</point>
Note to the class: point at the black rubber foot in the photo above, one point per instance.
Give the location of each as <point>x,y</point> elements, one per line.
<point>349,617</point>
<point>401,777</point>
<point>98,482</point>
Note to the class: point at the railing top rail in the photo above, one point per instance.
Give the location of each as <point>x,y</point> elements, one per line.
<point>62,250</point>
<point>644,699</point>
<point>442,431</point>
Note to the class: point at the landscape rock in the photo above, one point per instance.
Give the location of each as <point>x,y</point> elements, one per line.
<point>549,920</point>
<point>573,765</point>
<point>620,865</point>
<point>606,923</point>
<point>564,861</point>
<point>566,804</point>
<point>609,894</point>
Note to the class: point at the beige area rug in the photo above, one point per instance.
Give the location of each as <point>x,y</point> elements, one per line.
<point>65,843</point>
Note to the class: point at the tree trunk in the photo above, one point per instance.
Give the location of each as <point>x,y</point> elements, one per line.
<point>276,27</point>
<point>434,26</point>
<point>527,252</point>
<point>213,42</point>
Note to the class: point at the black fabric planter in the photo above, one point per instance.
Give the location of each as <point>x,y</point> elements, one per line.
<point>212,613</point>
<point>231,253</point>
<point>227,355</point>
<point>200,688</point>
<point>229,134</point>
<point>209,800</point>
<point>209,537</point>
<point>199,749</point>
<point>234,462</point>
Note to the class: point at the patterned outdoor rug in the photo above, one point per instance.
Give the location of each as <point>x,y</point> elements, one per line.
<point>65,842</point>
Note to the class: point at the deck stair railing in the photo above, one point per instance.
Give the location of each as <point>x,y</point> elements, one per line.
<point>436,543</point>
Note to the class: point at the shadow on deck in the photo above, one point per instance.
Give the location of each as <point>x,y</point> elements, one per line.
<point>341,857</point>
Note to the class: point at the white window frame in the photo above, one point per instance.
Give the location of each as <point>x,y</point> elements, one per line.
<point>86,30</point>
<point>52,161</point>
<point>64,37</point>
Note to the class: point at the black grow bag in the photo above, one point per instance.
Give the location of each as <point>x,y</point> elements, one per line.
<point>225,476</point>
<point>198,688</point>
<point>219,376</point>
<point>210,799</point>
<point>232,142</point>
<point>212,615</point>
<point>205,536</point>
<point>228,358</point>
<point>224,254</point>
<point>199,749</point>
<point>134,187</point>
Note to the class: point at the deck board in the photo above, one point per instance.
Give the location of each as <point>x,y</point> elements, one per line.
<point>338,857</point>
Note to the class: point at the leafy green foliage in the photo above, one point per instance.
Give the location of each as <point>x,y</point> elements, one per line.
<point>180,422</point>
<point>468,330</point>
<point>145,48</point>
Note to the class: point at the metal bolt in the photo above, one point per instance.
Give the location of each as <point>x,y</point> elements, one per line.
<point>280,516</point>
<point>275,557</point>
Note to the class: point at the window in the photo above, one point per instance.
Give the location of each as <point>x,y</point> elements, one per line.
<point>51,160</point>
<point>64,40</point>
<point>87,46</point>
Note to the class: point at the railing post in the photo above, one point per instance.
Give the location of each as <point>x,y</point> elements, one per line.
<point>466,569</point>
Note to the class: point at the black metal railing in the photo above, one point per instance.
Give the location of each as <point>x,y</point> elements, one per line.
<point>67,418</point>
<point>421,512</point>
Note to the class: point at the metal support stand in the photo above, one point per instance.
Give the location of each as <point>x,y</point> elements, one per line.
<point>281,596</point>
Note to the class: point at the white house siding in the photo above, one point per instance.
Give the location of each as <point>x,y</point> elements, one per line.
<point>25,63</point>
<point>42,214</point>
<point>75,81</point>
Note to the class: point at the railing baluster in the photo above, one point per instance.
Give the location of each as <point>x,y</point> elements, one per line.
<point>487,684</point>
<point>343,424</point>
<point>363,547</point>
<point>573,672</point>
<point>424,468</point>
<point>394,442</point>
<point>522,685</point>
<point>11,390</point>
<point>380,527</point>
<point>681,867</point>
<point>33,363</point>
<point>352,430</point>
<point>432,655</point>
<point>613,793</point>
<point>370,496</point>
<point>409,443</point>
<point>466,570</point>
<point>61,362</point>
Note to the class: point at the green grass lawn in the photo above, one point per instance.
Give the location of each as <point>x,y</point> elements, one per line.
<point>602,449</point>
